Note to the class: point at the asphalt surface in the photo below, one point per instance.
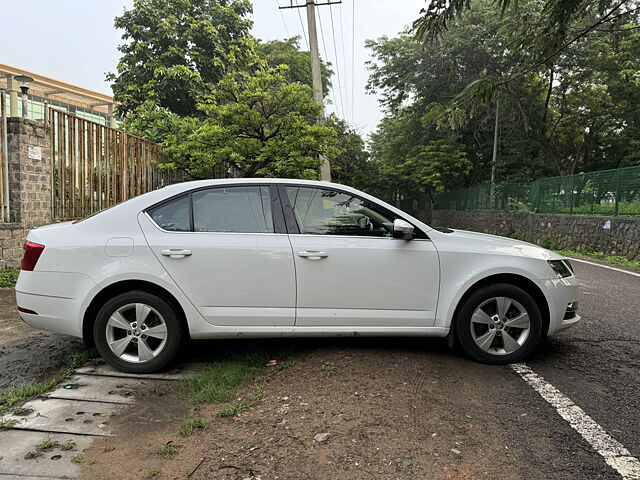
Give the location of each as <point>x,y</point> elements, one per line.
<point>596,364</point>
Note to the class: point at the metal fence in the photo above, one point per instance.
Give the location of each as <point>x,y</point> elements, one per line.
<point>605,192</point>
<point>506,196</point>
<point>95,167</point>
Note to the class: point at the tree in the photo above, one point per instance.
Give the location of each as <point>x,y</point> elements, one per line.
<point>174,51</point>
<point>255,125</point>
<point>287,52</point>
<point>579,111</point>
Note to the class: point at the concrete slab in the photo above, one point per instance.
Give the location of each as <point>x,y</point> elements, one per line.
<point>65,416</point>
<point>50,463</point>
<point>178,373</point>
<point>98,389</point>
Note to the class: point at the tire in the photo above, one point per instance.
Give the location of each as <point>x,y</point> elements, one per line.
<point>507,311</point>
<point>134,347</point>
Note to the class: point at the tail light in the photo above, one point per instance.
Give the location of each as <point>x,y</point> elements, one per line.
<point>32,252</point>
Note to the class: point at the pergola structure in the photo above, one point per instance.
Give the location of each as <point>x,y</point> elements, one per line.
<point>56,92</point>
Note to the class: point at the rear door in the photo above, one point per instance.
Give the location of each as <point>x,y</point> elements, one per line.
<point>350,270</point>
<point>226,248</point>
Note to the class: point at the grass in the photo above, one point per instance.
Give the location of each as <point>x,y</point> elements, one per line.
<point>48,444</point>
<point>613,259</point>
<point>9,276</point>
<point>77,459</point>
<point>12,397</point>
<point>168,450</point>
<point>69,445</point>
<point>153,473</point>
<point>217,382</point>
<point>7,423</point>
<point>329,369</point>
<point>238,407</point>
<point>32,455</point>
<point>108,449</point>
<point>190,425</point>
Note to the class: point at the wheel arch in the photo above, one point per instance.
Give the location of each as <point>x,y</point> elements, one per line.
<point>123,286</point>
<point>512,279</point>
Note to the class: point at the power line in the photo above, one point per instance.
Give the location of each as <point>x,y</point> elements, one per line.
<point>353,58</point>
<point>335,50</point>
<point>344,64</point>
<point>304,32</point>
<point>324,48</point>
<point>284,22</point>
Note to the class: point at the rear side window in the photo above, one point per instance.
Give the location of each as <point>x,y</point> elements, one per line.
<point>233,209</point>
<point>173,215</point>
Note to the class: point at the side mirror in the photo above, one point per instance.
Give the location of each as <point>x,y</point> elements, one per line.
<point>402,229</point>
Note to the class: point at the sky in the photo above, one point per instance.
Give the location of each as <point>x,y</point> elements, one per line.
<point>75,41</point>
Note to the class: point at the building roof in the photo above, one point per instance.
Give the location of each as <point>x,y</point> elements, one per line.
<point>58,90</point>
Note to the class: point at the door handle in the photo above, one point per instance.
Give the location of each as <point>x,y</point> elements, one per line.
<point>176,253</point>
<point>312,254</point>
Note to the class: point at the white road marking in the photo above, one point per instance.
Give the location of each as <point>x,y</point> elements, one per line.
<point>614,453</point>
<point>573,259</point>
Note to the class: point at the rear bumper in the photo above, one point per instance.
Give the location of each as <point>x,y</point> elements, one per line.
<point>560,292</point>
<point>56,297</point>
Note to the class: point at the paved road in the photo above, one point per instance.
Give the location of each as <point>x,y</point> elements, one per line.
<point>597,363</point>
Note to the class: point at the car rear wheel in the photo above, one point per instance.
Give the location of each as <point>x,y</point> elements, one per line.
<point>137,332</point>
<point>499,324</point>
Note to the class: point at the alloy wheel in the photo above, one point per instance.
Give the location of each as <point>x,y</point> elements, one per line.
<point>136,333</point>
<point>500,326</point>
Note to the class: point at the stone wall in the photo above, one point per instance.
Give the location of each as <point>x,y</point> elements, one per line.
<point>29,185</point>
<point>577,232</point>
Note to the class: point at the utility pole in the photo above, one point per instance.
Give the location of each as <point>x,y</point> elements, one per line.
<point>316,73</point>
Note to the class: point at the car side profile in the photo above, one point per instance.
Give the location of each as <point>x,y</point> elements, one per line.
<point>269,257</point>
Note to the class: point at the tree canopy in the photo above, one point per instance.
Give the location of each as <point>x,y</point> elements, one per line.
<point>173,51</point>
<point>576,111</point>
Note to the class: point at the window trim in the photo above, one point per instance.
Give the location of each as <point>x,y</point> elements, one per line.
<point>277,215</point>
<point>294,229</point>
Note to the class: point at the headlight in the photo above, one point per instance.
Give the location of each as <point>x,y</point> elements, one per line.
<point>562,268</point>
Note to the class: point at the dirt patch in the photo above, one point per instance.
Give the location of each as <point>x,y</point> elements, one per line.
<point>28,355</point>
<point>354,409</point>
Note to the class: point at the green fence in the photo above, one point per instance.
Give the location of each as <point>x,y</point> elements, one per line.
<point>605,192</point>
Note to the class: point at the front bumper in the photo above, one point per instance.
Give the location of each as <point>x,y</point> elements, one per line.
<point>562,295</point>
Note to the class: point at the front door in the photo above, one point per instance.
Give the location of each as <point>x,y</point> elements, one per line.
<point>351,271</point>
<point>226,248</point>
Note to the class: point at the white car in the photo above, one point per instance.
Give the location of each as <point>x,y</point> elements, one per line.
<point>272,258</point>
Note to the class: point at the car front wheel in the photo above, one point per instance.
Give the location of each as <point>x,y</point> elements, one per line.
<point>137,332</point>
<point>499,324</point>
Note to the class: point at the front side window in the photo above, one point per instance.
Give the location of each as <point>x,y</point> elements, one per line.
<point>322,211</point>
<point>233,209</point>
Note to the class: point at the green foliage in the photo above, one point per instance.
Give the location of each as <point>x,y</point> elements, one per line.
<point>190,425</point>
<point>351,165</point>
<point>545,241</point>
<point>173,51</point>
<point>255,126</point>
<point>578,110</point>
<point>9,276</point>
<point>287,52</point>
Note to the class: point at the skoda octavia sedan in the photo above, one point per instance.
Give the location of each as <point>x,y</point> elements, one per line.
<point>266,258</point>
